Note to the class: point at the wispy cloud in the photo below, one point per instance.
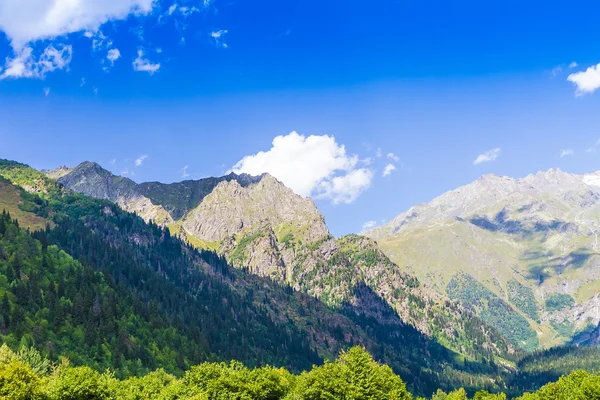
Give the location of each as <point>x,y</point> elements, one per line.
<point>573,65</point>
<point>218,38</point>
<point>487,156</point>
<point>369,225</point>
<point>393,157</point>
<point>566,152</point>
<point>388,170</point>
<point>25,65</point>
<point>140,160</point>
<point>184,172</point>
<point>142,64</point>
<point>594,147</point>
<point>47,91</point>
<point>587,81</point>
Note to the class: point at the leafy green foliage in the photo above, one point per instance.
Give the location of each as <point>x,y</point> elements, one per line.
<point>559,301</point>
<point>522,297</point>
<point>492,309</point>
<point>353,376</point>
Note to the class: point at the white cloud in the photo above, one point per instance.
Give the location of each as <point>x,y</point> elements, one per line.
<point>311,166</point>
<point>489,155</point>
<point>113,162</point>
<point>594,147</point>
<point>556,70</point>
<point>184,172</point>
<point>82,83</point>
<point>172,9</point>
<point>24,64</point>
<point>99,40</point>
<point>26,21</point>
<point>47,91</point>
<point>113,55</point>
<point>142,64</point>
<point>388,170</point>
<point>587,81</point>
<point>347,188</point>
<point>218,37</point>
<point>566,152</point>
<point>140,160</point>
<point>379,152</point>
<point>393,157</point>
<point>369,225</point>
<point>573,65</point>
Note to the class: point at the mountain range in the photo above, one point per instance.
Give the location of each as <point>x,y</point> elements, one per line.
<point>521,253</point>
<point>258,261</point>
<point>264,227</point>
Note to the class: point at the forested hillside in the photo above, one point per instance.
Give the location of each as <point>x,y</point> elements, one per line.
<point>133,298</point>
<point>105,289</point>
<point>261,226</point>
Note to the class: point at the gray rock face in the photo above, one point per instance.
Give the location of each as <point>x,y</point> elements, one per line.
<point>92,180</point>
<point>214,212</point>
<point>231,209</point>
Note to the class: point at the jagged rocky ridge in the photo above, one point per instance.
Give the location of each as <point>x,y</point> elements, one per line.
<point>528,246</point>
<point>264,227</point>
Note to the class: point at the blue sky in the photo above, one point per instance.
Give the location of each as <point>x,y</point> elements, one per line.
<point>201,87</point>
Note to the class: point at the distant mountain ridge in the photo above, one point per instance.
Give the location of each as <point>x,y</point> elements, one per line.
<point>264,227</point>
<point>529,245</point>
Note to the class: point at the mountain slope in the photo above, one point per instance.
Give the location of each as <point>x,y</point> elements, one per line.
<point>264,227</point>
<point>527,246</point>
<point>196,305</point>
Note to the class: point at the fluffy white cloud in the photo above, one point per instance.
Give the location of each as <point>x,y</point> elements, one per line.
<point>26,21</point>
<point>587,81</point>
<point>368,225</point>
<point>388,170</point>
<point>140,160</point>
<point>489,155</point>
<point>566,152</point>
<point>25,65</point>
<point>113,55</point>
<point>142,64</point>
<point>311,166</point>
<point>347,188</point>
<point>218,37</point>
